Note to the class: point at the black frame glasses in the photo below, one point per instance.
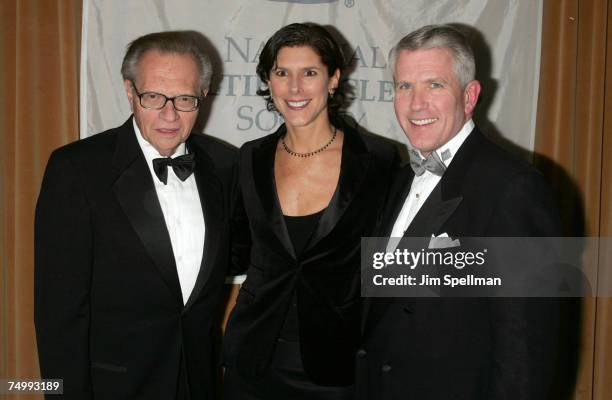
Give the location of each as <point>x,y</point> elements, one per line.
<point>196,105</point>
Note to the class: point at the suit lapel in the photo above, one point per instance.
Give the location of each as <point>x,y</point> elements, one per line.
<point>353,168</point>
<point>263,176</point>
<point>433,213</point>
<point>395,201</point>
<point>448,194</point>
<point>211,199</point>
<point>135,191</point>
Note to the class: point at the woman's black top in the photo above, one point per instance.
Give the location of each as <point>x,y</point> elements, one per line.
<point>300,229</point>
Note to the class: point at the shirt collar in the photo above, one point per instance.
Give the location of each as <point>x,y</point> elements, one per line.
<point>447,151</point>
<point>149,151</point>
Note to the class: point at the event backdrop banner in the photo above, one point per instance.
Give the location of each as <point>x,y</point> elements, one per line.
<point>506,37</point>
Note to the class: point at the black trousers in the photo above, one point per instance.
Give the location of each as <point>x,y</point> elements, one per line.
<point>285,379</point>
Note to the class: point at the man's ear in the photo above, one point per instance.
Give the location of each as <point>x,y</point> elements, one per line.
<point>127,85</point>
<point>470,96</point>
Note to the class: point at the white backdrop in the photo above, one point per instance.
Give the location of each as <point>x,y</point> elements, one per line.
<point>509,65</point>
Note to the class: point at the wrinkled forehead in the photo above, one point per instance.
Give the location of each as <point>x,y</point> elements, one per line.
<point>432,62</point>
<point>154,60</point>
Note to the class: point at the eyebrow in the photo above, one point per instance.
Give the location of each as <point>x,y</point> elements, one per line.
<point>396,82</point>
<point>303,68</point>
<point>428,80</point>
<point>436,79</point>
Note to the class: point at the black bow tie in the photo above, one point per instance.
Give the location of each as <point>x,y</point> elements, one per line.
<point>181,165</point>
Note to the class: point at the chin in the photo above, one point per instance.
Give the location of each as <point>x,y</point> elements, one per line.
<point>297,123</point>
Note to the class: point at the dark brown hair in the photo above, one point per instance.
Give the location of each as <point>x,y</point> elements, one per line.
<point>303,34</point>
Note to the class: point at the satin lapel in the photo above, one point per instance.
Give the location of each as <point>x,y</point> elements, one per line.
<point>456,176</point>
<point>397,196</point>
<point>263,176</point>
<point>211,198</point>
<point>135,192</point>
<point>433,213</point>
<point>353,168</point>
<point>448,194</point>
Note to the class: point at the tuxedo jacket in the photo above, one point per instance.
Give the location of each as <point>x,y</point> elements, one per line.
<point>325,276</point>
<point>465,348</point>
<point>109,314</point>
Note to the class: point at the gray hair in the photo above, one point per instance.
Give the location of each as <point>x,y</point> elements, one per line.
<point>177,42</point>
<point>441,36</point>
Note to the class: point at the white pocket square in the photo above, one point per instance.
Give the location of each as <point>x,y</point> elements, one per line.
<point>443,241</point>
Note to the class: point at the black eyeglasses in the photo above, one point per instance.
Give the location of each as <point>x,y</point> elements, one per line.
<point>157,101</point>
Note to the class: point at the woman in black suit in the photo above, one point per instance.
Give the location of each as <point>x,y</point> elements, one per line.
<point>309,192</point>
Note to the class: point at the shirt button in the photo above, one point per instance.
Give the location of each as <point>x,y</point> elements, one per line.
<point>417,195</point>
<point>361,353</point>
<point>386,368</point>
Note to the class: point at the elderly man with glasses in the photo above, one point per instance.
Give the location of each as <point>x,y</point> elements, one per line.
<point>132,239</point>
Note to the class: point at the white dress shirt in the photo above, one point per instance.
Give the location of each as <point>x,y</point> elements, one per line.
<point>180,204</point>
<point>423,185</point>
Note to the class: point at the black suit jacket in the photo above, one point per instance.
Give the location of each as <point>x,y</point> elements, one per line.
<point>109,314</point>
<point>325,276</point>
<point>465,348</point>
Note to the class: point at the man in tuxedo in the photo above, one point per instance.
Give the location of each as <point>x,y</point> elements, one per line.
<point>131,239</point>
<point>462,185</point>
